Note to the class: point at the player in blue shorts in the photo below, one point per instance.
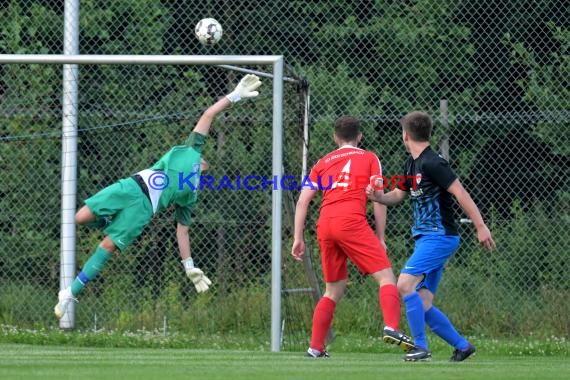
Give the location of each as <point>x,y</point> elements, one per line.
<point>430,183</point>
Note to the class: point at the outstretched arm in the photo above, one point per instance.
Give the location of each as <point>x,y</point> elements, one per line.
<point>201,282</point>
<point>183,239</point>
<point>246,88</point>
<point>390,198</point>
<point>305,198</point>
<point>470,208</point>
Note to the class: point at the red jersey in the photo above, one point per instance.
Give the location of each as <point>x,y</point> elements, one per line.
<point>343,176</point>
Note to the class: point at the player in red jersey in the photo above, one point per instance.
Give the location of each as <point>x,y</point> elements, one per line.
<point>343,233</point>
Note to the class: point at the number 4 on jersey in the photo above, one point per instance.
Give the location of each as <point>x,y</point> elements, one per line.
<point>343,178</point>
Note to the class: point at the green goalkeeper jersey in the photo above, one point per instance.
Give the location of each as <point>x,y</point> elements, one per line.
<point>179,188</point>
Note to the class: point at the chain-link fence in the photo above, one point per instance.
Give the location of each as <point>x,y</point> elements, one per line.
<point>493,74</point>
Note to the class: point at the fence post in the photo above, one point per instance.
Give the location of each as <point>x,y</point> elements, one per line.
<point>69,156</point>
<point>444,117</point>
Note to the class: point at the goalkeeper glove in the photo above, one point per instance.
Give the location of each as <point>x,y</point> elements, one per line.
<point>201,282</point>
<point>245,88</point>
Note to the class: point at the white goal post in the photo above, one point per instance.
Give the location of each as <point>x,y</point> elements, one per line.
<point>69,155</point>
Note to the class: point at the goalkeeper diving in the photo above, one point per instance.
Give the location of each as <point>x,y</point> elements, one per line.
<point>125,207</point>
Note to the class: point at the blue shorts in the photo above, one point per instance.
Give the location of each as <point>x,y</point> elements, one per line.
<point>429,258</point>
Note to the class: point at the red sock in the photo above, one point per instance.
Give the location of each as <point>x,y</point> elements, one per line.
<point>322,321</point>
<point>390,305</point>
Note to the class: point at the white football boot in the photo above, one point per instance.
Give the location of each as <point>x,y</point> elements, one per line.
<point>64,297</point>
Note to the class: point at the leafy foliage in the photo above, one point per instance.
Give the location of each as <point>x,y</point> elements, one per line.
<point>503,70</point>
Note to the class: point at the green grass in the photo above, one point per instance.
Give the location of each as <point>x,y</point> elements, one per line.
<point>18,361</point>
<point>53,354</point>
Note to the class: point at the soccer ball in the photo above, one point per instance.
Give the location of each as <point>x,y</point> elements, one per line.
<point>208,31</point>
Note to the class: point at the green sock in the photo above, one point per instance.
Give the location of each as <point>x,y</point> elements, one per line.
<point>90,270</point>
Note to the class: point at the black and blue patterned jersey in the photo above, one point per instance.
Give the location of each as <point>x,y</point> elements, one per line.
<point>427,179</point>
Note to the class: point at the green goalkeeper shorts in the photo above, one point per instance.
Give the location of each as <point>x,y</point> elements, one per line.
<point>130,210</point>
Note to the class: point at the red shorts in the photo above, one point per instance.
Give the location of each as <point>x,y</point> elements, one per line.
<point>341,238</point>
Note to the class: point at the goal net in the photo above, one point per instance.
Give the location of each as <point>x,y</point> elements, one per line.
<point>127,111</point>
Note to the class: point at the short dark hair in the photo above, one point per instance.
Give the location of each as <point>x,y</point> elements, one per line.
<point>418,124</point>
<point>347,128</point>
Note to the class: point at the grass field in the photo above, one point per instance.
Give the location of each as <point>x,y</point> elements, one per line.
<point>19,361</point>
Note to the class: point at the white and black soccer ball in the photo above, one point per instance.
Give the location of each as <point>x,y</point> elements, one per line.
<point>208,31</point>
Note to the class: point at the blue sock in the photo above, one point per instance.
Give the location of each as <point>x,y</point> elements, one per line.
<point>416,318</point>
<point>442,327</point>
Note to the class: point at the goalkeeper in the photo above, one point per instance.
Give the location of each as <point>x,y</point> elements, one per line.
<point>124,208</point>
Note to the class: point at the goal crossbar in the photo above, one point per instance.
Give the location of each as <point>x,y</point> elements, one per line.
<point>95,59</point>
